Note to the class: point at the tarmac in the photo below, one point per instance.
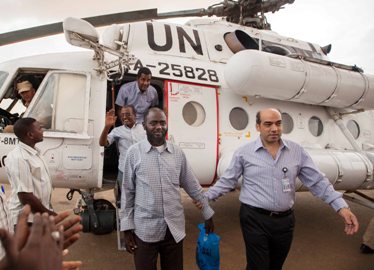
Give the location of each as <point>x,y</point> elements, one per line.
<point>319,239</point>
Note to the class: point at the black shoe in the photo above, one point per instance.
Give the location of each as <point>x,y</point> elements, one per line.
<point>366,250</point>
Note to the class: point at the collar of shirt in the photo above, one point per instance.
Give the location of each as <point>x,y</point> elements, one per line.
<point>148,147</point>
<point>29,149</point>
<point>258,144</point>
<point>133,127</point>
<point>138,90</point>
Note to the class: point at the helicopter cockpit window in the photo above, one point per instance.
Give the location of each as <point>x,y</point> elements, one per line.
<point>354,128</point>
<point>315,126</point>
<point>287,123</point>
<point>3,76</point>
<point>193,113</point>
<point>60,105</point>
<point>238,118</point>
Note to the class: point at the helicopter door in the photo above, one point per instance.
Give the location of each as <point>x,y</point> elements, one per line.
<point>193,125</point>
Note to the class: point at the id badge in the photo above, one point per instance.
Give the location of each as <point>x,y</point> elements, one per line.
<point>286,187</point>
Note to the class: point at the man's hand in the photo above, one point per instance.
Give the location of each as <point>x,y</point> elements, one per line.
<point>72,227</point>
<point>350,220</point>
<point>110,118</point>
<point>41,251</point>
<point>198,204</point>
<point>209,226</point>
<point>130,241</point>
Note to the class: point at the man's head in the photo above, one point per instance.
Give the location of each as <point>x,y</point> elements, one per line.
<point>26,89</point>
<point>144,78</point>
<point>28,131</point>
<point>155,126</point>
<point>128,115</point>
<point>269,124</point>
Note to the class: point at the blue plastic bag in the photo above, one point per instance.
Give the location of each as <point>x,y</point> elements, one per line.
<point>207,250</point>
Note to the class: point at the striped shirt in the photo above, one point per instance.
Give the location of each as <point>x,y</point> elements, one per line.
<point>151,200</point>
<point>5,222</point>
<point>27,172</point>
<point>130,94</point>
<point>262,177</point>
<point>125,137</point>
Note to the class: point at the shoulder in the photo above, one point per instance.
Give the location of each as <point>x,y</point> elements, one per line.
<point>137,148</point>
<point>152,90</point>
<point>128,86</point>
<point>292,145</point>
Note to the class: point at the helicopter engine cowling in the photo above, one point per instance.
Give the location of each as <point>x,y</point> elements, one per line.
<point>262,74</point>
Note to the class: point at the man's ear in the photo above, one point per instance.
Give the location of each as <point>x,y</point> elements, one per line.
<point>30,135</point>
<point>257,127</point>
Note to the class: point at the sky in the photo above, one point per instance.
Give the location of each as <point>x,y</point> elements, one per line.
<point>346,24</point>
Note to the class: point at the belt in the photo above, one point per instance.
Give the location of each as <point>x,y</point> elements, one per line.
<point>270,213</point>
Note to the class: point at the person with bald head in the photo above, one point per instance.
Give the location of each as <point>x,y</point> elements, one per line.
<point>269,166</point>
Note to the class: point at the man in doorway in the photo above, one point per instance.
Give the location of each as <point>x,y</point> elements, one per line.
<point>25,86</point>
<point>27,172</point>
<point>269,167</point>
<point>153,218</point>
<point>140,93</point>
<point>26,89</point>
<point>125,136</point>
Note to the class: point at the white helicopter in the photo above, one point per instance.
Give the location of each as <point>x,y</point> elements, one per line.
<point>212,76</point>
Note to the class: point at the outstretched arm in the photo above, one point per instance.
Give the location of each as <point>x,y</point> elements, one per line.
<point>110,120</point>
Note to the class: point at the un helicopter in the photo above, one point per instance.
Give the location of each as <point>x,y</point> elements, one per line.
<point>212,76</point>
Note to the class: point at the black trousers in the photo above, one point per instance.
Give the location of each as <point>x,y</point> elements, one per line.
<point>267,238</point>
<point>171,254</point>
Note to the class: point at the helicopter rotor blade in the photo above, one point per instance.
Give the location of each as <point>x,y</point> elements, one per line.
<point>56,28</point>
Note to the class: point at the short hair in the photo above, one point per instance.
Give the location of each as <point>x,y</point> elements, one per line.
<point>258,115</point>
<point>23,126</point>
<point>145,71</point>
<point>29,78</point>
<point>131,107</point>
<point>150,110</point>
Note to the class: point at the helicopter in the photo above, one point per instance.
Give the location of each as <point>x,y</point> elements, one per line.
<point>212,76</point>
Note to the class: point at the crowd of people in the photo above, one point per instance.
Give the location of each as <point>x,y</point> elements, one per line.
<point>151,171</point>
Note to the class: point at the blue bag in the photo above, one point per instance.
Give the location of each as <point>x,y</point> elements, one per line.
<point>207,250</point>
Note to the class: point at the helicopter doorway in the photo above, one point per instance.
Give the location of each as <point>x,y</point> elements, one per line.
<point>193,125</point>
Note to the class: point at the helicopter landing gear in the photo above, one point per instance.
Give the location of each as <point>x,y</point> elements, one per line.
<point>98,215</point>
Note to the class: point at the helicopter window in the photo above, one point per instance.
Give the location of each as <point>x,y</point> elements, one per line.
<point>354,128</point>
<point>193,113</point>
<point>238,118</point>
<point>60,103</point>
<point>287,123</point>
<point>315,126</point>
<point>3,76</point>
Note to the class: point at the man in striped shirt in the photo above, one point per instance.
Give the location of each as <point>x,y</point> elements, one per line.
<point>27,172</point>
<point>269,167</point>
<point>152,212</point>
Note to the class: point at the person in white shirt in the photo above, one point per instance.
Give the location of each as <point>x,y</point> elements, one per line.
<point>27,172</point>
<point>125,136</point>
<point>5,221</point>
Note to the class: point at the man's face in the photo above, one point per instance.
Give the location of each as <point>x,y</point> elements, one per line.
<point>270,127</point>
<point>27,96</point>
<point>36,132</point>
<point>156,127</point>
<point>144,81</point>
<point>127,117</point>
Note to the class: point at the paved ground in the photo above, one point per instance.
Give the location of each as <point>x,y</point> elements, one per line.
<point>319,241</point>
